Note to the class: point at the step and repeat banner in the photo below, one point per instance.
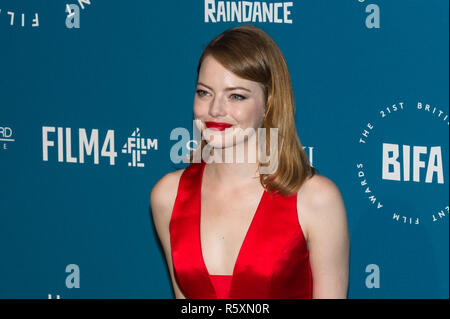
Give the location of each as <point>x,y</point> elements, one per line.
<point>93,93</point>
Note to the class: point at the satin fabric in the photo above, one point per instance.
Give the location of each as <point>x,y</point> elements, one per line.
<point>273,261</point>
<point>221,285</point>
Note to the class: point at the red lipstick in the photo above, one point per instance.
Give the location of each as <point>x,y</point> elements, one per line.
<point>218,126</point>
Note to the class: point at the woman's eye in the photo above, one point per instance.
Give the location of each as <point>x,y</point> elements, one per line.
<point>238,97</point>
<point>201,93</point>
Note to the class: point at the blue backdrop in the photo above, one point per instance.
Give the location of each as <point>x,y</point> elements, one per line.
<point>82,82</point>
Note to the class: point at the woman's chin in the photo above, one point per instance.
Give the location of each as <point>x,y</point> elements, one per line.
<point>218,144</point>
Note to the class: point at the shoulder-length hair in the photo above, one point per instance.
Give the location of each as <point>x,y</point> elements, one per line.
<point>252,54</point>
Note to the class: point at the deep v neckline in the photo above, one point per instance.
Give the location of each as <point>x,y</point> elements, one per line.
<point>243,245</point>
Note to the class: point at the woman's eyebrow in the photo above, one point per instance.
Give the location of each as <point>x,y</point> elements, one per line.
<point>228,88</point>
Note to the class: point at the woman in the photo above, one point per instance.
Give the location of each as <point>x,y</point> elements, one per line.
<point>228,230</point>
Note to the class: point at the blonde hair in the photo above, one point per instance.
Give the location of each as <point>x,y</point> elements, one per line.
<point>252,54</point>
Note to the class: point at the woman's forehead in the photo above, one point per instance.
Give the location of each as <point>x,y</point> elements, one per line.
<point>215,75</point>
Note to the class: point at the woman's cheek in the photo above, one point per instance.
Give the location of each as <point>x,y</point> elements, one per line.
<point>198,110</point>
<point>238,115</point>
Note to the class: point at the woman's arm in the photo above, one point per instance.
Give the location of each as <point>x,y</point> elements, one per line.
<point>162,199</point>
<point>323,218</point>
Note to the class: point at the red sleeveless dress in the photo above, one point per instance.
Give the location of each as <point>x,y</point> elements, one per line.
<point>273,262</point>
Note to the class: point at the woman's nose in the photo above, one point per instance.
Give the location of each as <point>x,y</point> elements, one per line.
<point>217,108</point>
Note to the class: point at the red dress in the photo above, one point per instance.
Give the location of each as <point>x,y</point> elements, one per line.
<point>273,262</point>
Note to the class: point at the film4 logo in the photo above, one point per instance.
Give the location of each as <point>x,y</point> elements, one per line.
<point>57,143</point>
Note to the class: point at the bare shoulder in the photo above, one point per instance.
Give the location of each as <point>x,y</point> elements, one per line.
<point>319,190</point>
<point>322,214</point>
<point>162,200</point>
<point>320,204</point>
<point>163,195</point>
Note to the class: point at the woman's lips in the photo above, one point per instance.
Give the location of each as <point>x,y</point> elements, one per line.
<point>218,126</point>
